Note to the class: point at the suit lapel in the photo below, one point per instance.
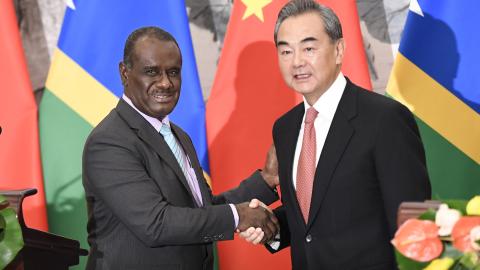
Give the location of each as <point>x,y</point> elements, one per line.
<point>151,137</point>
<point>335,144</point>
<point>192,156</point>
<point>291,137</point>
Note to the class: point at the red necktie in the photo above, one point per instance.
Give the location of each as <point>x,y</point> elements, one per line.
<point>306,164</point>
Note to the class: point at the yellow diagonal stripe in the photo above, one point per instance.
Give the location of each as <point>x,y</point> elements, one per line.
<point>436,106</point>
<point>78,89</point>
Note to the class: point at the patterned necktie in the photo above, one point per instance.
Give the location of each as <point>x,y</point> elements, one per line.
<point>181,159</point>
<point>306,164</point>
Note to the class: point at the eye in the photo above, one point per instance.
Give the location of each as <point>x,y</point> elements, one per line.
<point>285,52</point>
<point>309,49</point>
<point>150,72</point>
<point>173,73</point>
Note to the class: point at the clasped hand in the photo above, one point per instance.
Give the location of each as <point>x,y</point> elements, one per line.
<point>257,222</point>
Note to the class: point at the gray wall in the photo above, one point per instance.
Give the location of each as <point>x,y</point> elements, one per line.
<point>381,23</point>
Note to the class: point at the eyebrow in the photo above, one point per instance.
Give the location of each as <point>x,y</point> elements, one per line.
<point>150,67</point>
<point>279,43</point>
<point>307,39</point>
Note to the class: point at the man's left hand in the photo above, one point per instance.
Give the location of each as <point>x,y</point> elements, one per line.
<point>270,170</point>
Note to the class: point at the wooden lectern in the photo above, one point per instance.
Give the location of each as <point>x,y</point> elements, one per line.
<point>42,250</point>
<point>408,210</point>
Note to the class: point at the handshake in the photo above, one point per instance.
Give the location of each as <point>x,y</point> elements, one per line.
<point>257,223</point>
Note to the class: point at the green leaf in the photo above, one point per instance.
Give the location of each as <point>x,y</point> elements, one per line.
<point>3,202</point>
<point>428,215</point>
<point>405,263</point>
<point>11,240</point>
<point>459,266</point>
<point>2,224</point>
<point>469,260</point>
<point>460,205</point>
<point>450,251</point>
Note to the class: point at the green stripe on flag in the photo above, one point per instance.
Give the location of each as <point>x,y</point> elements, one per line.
<point>62,136</point>
<point>453,174</point>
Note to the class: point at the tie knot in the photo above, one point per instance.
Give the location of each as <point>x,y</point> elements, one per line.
<point>165,130</point>
<point>311,115</point>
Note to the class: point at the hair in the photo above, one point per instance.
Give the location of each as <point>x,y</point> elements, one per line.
<point>331,23</point>
<point>149,31</point>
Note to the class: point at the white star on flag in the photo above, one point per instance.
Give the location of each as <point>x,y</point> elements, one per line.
<point>70,4</point>
<point>414,7</point>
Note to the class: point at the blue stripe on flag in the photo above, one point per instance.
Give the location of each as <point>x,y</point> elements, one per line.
<point>444,44</point>
<point>94,34</point>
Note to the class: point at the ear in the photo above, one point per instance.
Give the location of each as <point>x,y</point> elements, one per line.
<point>340,51</point>
<point>122,68</point>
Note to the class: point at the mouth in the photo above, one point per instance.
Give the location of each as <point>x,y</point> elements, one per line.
<point>163,97</point>
<point>300,77</point>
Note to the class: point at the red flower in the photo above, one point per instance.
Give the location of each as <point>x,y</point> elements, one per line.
<point>461,233</point>
<point>418,240</point>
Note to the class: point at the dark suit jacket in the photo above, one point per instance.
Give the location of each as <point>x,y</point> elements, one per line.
<point>142,214</point>
<point>372,160</point>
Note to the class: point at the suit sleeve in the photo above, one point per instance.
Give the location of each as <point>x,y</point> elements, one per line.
<point>114,173</point>
<point>284,235</point>
<point>253,187</point>
<point>400,161</point>
<point>250,188</point>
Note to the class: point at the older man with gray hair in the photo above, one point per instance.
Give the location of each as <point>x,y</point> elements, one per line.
<point>347,157</point>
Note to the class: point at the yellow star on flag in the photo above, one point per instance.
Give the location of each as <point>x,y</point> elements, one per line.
<point>255,7</point>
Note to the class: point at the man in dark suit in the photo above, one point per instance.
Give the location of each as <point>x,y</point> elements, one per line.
<point>149,205</point>
<point>347,157</point>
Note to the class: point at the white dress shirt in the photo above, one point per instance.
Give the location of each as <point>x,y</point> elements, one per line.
<point>157,124</point>
<point>326,106</point>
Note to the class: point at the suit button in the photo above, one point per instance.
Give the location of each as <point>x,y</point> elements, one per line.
<point>308,238</point>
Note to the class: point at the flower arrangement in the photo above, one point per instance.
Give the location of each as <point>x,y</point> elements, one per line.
<point>445,239</point>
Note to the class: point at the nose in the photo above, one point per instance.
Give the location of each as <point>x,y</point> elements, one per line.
<point>298,60</point>
<point>164,82</point>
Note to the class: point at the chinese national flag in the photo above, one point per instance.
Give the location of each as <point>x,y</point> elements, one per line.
<point>19,148</point>
<point>248,95</point>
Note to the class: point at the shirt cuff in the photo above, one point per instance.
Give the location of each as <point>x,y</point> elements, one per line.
<point>235,215</point>
<point>275,243</point>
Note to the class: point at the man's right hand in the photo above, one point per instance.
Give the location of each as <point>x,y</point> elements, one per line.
<point>256,235</point>
<point>258,217</point>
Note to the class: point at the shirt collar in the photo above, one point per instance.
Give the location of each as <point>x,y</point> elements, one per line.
<point>327,104</point>
<point>157,124</point>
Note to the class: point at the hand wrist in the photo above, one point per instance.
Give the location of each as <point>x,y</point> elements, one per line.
<point>269,179</point>
<point>236,217</point>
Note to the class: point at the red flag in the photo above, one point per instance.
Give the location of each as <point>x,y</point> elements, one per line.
<point>19,147</point>
<point>354,65</point>
<point>248,95</point>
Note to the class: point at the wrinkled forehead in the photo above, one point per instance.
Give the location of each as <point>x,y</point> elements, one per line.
<point>298,28</point>
<point>150,48</point>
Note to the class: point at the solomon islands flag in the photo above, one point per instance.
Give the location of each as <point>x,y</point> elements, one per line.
<point>84,84</point>
<point>436,75</point>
